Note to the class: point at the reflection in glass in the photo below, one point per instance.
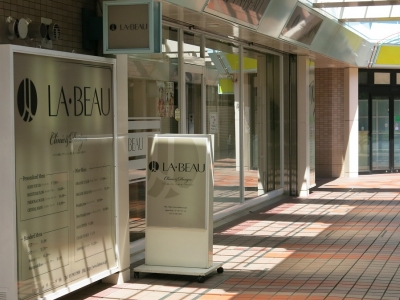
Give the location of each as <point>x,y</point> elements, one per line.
<point>222,115</point>
<point>152,95</point>
<point>211,77</point>
<point>261,122</point>
<point>137,204</point>
<point>194,78</point>
<point>261,125</point>
<point>249,12</point>
<point>302,26</point>
<point>380,133</point>
<point>252,127</point>
<point>273,108</point>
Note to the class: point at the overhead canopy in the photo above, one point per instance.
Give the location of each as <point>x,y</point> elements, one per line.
<point>376,20</point>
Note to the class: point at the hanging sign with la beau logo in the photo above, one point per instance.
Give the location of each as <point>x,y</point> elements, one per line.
<point>131,27</point>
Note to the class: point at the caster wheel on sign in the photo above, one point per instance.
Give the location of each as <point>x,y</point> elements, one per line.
<point>220,270</point>
<point>200,279</point>
<point>135,274</point>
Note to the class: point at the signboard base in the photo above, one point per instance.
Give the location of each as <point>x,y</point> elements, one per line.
<point>200,272</point>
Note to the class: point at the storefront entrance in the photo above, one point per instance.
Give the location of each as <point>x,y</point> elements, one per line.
<point>385,133</point>
<point>379,123</point>
<point>200,88</point>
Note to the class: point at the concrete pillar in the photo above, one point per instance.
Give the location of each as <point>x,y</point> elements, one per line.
<point>350,166</point>
<point>303,126</point>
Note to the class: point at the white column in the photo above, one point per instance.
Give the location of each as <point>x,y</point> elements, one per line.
<point>350,166</point>
<point>122,176</point>
<point>203,88</point>
<point>241,121</point>
<point>8,213</point>
<point>303,127</point>
<point>181,84</point>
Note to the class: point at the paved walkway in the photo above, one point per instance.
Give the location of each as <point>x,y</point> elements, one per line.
<point>341,242</point>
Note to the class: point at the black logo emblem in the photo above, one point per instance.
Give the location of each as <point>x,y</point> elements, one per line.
<point>27,100</point>
<point>113,27</point>
<point>154,166</point>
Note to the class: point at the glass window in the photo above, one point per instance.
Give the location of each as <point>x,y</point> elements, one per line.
<point>363,77</point>
<point>194,69</point>
<point>272,104</point>
<point>261,122</point>
<point>222,115</point>
<point>381,78</point>
<point>152,100</point>
<point>380,133</point>
<point>363,138</point>
<point>212,105</point>
<point>261,141</point>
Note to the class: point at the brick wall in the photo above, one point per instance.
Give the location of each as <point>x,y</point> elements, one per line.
<point>66,13</point>
<point>329,127</point>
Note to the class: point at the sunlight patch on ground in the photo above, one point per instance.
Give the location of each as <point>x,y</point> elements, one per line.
<point>311,209</point>
<point>277,228</point>
<point>250,258</point>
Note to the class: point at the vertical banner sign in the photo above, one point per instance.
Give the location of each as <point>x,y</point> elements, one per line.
<point>64,154</point>
<point>177,182</point>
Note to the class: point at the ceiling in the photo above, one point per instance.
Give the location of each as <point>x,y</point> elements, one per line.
<point>376,20</point>
<point>347,36</point>
<point>221,28</point>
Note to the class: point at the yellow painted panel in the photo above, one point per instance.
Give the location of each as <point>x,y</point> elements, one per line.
<point>248,63</point>
<point>225,86</point>
<point>388,55</point>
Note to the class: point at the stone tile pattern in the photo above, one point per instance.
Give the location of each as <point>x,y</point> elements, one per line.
<point>329,123</point>
<point>338,243</point>
<point>66,13</point>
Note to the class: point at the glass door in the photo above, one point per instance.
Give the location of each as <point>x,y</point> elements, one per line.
<point>385,133</point>
<point>194,98</point>
<point>363,133</point>
<point>379,121</point>
<point>396,133</point>
<point>380,133</point>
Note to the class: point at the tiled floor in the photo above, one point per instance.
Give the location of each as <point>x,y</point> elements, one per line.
<point>341,242</point>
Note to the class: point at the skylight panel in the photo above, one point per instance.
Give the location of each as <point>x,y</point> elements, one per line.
<point>378,12</point>
<point>354,12</point>
<point>395,11</point>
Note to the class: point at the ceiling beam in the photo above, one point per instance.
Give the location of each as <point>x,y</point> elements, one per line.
<point>388,19</point>
<point>354,3</point>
